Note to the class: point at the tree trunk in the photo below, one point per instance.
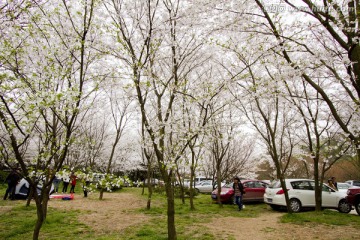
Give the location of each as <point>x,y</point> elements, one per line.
<point>192,174</point>
<point>181,186</point>
<point>318,187</point>
<point>41,210</point>
<point>39,221</point>
<point>30,196</point>
<point>170,211</point>
<point>101,194</point>
<point>150,189</point>
<point>218,180</point>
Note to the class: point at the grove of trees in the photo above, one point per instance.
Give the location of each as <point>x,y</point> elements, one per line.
<point>223,88</point>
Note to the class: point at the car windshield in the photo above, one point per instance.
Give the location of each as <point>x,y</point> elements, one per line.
<point>343,186</point>
<point>275,184</point>
<point>227,185</point>
<point>356,183</point>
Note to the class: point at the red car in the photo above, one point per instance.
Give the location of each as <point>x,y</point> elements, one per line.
<point>254,191</point>
<point>353,198</point>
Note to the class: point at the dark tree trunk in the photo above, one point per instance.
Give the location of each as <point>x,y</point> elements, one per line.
<point>218,180</point>
<point>192,174</point>
<point>101,194</point>
<point>318,188</point>
<point>39,221</point>
<point>150,189</point>
<point>170,211</point>
<point>181,186</point>
<point>30,196</point>
<point>41,209</point>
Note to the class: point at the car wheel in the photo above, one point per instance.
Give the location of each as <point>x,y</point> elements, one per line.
<point>344,207</point>
<point>295,205</point>
<point>197,190</point>
<point>357,207</point>
<point>275,207</point>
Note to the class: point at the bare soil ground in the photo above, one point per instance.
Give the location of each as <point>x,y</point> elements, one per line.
<point>116,212</point>
<point>267,226</point>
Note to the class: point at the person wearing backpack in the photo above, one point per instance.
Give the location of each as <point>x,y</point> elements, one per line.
<point>238,192</point>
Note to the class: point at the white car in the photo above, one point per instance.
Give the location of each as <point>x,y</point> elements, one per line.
<point>204,187</point>
<point>353,182</point>
<point>302,194</point>
<point>343,187</point>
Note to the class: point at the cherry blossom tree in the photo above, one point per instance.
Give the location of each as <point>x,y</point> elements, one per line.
<point>45,78</point>
<point>327,44</point>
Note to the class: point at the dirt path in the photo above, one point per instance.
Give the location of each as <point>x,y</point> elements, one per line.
<point>110,214</point>
<point>267,226</point>
<point>116,212</point>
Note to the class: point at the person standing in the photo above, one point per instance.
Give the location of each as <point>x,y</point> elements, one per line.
<point>56,183</point>
<point>334,183</point>
<point>66,181</point>
<point>331,183</point>
<point>73,182</point>
<point>238,192</point>
<point>86,184</point>
<point>12,180</point>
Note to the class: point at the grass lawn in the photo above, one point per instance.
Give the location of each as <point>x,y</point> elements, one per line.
<point>17,221</point>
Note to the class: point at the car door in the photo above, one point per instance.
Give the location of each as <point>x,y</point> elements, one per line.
<point>303,191</point>
<point>258,190</point>
<point>329,197</point>
<point>249,190</point>
<point>206,187</point>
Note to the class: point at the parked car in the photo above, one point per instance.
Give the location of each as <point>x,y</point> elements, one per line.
<point>196,181</point>
<point>302,194</point>
<point>153,181</point>
<point>353,198</point>
<point>343,187</point>
<point>254,191</point>
<point>353,182</point>
<point>205,186</point>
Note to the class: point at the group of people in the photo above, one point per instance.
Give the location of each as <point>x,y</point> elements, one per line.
<point>66,181</point>
<point>332,183</point>
<point>14,177</point>
<point>72,181</point>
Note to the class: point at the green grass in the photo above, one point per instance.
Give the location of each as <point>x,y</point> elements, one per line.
<point>189,224</point>
<point>17,221</point>
<point>328,217</point>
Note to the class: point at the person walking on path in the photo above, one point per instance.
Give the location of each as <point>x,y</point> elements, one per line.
<point>238,192</point>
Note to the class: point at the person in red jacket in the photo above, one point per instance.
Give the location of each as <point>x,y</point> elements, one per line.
<point>73,182</point>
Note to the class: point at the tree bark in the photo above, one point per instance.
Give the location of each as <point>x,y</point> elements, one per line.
<point>170,211</point>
